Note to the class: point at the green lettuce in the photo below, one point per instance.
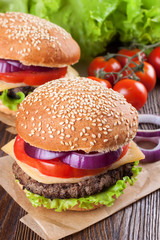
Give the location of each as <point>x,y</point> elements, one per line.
<point>88,21</point>
<point>138,21</point>
<point>11,103</point>
<point>14,5</point>
<point>106,198</point>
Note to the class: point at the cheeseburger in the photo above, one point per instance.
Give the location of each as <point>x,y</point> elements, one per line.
<point>33,51</point>
<point>74,147</point>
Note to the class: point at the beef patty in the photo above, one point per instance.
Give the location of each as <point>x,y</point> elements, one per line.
<point>89,186</point>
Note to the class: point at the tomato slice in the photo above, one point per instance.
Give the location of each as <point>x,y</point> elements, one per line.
<point>55,167</point>
<point>33,78</point>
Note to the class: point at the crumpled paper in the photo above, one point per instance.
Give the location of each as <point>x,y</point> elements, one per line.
<point>53,225</point>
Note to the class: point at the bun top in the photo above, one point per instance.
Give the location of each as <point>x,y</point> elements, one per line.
<point>35,41</point>
<point>76,114</point>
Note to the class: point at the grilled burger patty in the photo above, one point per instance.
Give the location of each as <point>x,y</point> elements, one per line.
<point>13,91</point>
<point>90,186</point>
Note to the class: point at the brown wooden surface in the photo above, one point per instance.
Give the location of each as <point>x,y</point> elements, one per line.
<point>140,221</point>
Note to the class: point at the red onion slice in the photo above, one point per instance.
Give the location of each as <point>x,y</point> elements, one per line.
<point>149,118</point>
<point>8,66</point>
<point>144,136</point>
<point>75,159</point>
<point>151,155</point>
<point>91,161</point>
<point>42,154</point>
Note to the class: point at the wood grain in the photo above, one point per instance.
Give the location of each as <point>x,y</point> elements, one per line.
<point>140,221</point>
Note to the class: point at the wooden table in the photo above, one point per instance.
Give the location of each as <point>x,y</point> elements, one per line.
<point>140,221</point>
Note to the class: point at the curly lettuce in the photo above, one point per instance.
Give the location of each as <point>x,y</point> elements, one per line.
<point>11,103</point>
<point>14,5</point>
<point>88,21</point>
<point>138,21</point>
<point>106,197</point>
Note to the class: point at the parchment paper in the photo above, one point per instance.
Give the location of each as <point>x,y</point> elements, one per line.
<point>52,225</point>
<point>7,119</point>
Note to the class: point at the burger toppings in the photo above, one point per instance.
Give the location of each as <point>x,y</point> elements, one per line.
<point>8,66</point>
<point>54,167</point>
<point>77,159</point>
<point>15,72</point>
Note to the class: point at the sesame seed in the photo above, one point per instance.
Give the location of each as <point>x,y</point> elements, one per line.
<point>68,136</point>
<point>109,130</point>
<point>84,139</point>
<point>83,130</point>
<point>99,135</point>
<point>116,137</point>
<point>93,135</point>
<point>105,133</point>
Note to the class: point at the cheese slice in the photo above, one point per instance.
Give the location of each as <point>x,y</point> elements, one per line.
<point>5,85</point>
<point>133,154</point>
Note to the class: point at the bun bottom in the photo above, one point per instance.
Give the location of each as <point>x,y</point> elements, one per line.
<point>75,208</point>
<point>71,72</point>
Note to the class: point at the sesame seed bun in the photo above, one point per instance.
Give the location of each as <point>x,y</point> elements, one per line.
<point>76,114</point>
<point>35,41</point>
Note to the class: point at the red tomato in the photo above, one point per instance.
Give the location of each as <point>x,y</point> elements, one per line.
<point>99,67</point>
<point>154,60</point>
<point>129,53</point>
<point>55,167</point>
<point>134,92</point>
<point>33,78</point>
<point>147,76</point>
<point>106,83</point>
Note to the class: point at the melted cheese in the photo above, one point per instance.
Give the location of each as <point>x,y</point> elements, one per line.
<point>133,154</point>
<point>5,85</point>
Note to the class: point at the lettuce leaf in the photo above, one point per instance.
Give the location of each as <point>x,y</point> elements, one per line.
<point>14,5</point>
<point>106,198</point>
<point>138,21</point>
<point>11,103</point>
<point>88,21</point>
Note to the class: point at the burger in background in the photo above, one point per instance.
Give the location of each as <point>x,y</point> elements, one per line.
<point>33,51</point>
<point>74,148</point>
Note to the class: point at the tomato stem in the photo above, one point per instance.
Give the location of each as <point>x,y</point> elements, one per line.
<point>128,70</point>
